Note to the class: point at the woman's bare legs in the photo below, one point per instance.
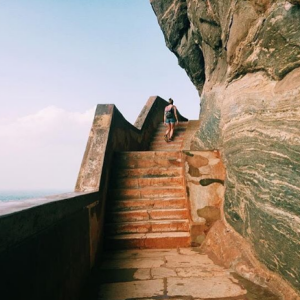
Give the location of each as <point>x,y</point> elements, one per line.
<point>172,126</point>
<point>168,130</point>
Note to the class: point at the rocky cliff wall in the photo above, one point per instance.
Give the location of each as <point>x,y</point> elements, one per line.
<point>244,59</point>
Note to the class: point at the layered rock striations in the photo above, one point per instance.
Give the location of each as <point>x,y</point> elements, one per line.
<point>244,59</point>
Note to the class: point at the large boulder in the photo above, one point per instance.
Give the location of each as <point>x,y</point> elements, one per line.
<point>244,59</point>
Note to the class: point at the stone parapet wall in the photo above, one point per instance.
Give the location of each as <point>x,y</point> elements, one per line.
<point>48,246</point>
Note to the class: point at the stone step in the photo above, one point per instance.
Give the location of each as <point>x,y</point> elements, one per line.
<point>149,172</point>
<point>162,131</point>
<point>147,227</point>
<point>167,146</point>
<point>146,215</point>
<point>160,137</point>
<point>148,193</point>
<point>160,240</point>
<point>135,204</point>
<point>153,159</point>
<point>147,154</point>
<point>177,131</point>
<point>137,163</point>
<point>164,143</point>
<point>161,141</point>
<point>146,182</point>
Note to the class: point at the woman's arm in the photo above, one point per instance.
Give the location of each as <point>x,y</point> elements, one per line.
<point>175,113</point>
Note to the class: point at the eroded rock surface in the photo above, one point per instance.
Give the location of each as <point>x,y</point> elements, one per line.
<point>244,59</point>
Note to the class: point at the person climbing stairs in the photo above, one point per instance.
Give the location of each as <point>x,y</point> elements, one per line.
<point>158,143</point>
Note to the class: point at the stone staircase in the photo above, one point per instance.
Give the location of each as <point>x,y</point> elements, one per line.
<point>147,205</point>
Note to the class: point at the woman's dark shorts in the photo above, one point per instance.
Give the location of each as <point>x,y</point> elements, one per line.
<point>171,120</point>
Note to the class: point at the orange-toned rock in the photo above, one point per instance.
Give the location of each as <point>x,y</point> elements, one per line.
<point>243,57</point>
<point>229,248</point>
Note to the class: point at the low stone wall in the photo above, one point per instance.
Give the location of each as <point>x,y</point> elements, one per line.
<point>48,246</point>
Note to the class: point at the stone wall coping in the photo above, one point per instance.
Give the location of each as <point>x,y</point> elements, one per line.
<point>14,206</point>
<point>22,219</point>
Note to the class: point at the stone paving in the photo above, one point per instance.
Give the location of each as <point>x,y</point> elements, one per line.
<point>178,274</point>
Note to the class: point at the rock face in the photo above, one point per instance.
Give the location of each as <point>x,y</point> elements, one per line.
<point>295,2</point>
<point>244,59</point>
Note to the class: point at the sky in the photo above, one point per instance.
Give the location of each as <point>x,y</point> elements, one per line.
<point>58,60</point>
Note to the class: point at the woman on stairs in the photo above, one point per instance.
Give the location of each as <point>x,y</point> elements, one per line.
<point>170,117</point>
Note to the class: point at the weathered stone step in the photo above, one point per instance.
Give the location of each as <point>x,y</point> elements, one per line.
<point>177,131</point>
<point>174,142</point>
<point>149,172</point>
<point>160,139</point>
<point>147,227</point>
<point>148,204</point>
<point>150,214</point>
<point>162,142</point>
<point>167,146</point>
<point>166,159</point>
<point>176,134</point>
<point>145,182</point>
<point>137,163</point>
<point>147,154</point>
<point>150,192</point>
<point>160,135</point>
<point>149,240</point>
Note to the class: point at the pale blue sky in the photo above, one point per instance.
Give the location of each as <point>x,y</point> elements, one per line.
<point>60,58</point>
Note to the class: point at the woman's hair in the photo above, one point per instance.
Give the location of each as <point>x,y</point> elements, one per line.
<point>171,101</point>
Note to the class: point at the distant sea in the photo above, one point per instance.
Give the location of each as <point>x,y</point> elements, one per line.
<point>7,195</point>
